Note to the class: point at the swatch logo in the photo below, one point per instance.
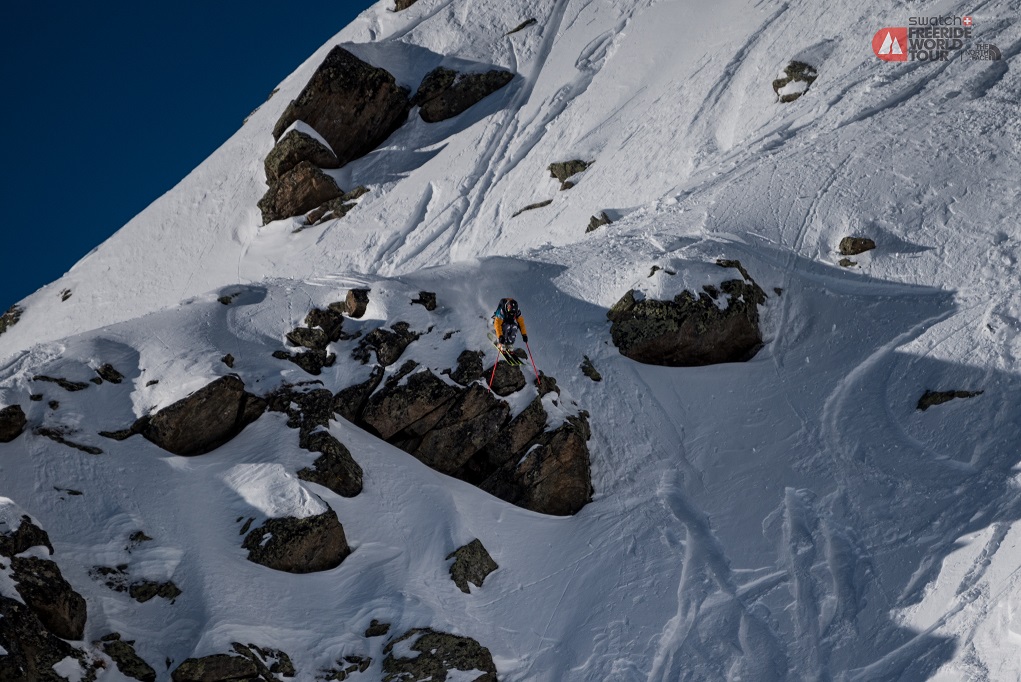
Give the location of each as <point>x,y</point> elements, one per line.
<point>891,44</point>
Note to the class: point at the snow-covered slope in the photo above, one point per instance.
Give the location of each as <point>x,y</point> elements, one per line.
<point>793,517</point>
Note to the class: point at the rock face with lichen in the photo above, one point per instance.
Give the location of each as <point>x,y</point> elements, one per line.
<point>692,329</point>
<point>353,105</point>
<point>205,420</point>
<point>445,93</point>
<point>293,148</point>
<point>852,246</point>
<point>472,564</point>
<point>12,423</point>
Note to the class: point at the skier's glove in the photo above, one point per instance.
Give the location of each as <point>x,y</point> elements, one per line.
<point>524,337</point>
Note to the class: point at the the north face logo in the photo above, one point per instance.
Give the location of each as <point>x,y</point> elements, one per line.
<point>891,44</point>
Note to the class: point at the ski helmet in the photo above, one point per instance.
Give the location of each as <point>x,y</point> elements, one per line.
<point>511,307</point>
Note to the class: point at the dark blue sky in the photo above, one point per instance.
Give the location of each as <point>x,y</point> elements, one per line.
<point>108,105</point>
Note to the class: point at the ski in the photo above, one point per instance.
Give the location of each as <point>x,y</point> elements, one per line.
<point>507,355</point>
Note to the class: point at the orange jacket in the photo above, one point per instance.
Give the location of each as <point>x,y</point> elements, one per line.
<point>498,323</point>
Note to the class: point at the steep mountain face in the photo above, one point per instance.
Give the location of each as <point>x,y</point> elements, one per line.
<point>771,427</point>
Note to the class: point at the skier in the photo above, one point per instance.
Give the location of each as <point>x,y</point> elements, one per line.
<point>506,321</point>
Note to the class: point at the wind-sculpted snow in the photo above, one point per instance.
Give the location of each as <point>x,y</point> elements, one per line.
<point>796,516</point>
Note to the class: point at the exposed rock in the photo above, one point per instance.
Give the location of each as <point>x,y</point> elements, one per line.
<point>26,536</point>
<point>297,192</point>
<point>336,208</point>
<point>35,397</point>
<point>354,106</point>
<point>932,398</point>
<point>690,331</point>
<point>348,666</point>
<point>311,361</point>
<point>306,545</point>
<point>58,437</point>
<point>562,170</point>
<point>330,321</point>
<point>144,590</point>
<point>54,404</point>
<point>335,469</point>
<point>427,299</point>
<point>469,367</point>
<point>205,420</point>
<point>129,663</point>
<point>396,408</point>
<point>350,402</point>
<point>846,263</point>
<point>30,650</point>
<point>108,373</point>
<point>508,446</point>
<point>589,370</point>
<point>656,268</point>
<point>65,384</point>
<point>65,294</point>
<point>472,564</point>
<point>793,82</point>
<point>354,305</point>
<point>532,207</point>
<point>122,434</point>
<point>852,246</point>
<point>11,317</point>
<point>377,629</point>
<point>228,360</point>
<point>12,423</point>
<point>438,654</point>
<point>228,299</point>
<point>307,409</point>
<point>216,668</point>
<point>293,148</point>
<point>523,25</point>
<point>508,379</point>
<point>60,609</point>
<point>595,222</point>
<point>555,477</point>
<point>403,4</point>
<point>473,419</point>
<point>270,662</point>
<point>445,93</point>
<point>388,344</point>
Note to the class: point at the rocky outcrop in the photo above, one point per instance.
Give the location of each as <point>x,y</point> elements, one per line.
<point>437,654</point>
<point>30,650</point>
<point>377,629</point>
<point>472,420</point>
<point>410,408</point>
<point>532,207</point>
<point>355,303</point>
<point>59,608</point>
<point>353,105</point>
<point>387,344</point>
<point>336,208</point>
<point>597,221</point>
<point>445,93</point>
<point>297,192</point>
<point>350,402</point>
<point>852,246</point>
<point>128,662</point>
<point>24,537</point>
<point>691,330</point>
<point>11,317</point>
<point>589,370</point>
<point>299,545</point>
<point>532,21</point>
<point>335,468</point>
<point>426,299</point>
<point>472,564</point>
<point>109,373</point>
<point>469,367</point>
<point>216,668</point>
<point>12,423</point>
<point>507,379</point>
<point>794,80</point>
<point>205,420</point>
<point>312,361</point>
<point>403,4</point>
<point>293,148</point>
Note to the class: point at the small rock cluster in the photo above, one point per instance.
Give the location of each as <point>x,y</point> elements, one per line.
<point>793,81</point>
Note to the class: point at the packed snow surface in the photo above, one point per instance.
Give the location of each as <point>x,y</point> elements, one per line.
<point>795,517</point>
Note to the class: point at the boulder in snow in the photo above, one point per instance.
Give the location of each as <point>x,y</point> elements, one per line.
<point>299,545</point>
<point>472,563</point>
<point>562,170</point>
<point>60,609</point>
<point>11,317</point>
<point>691,330</point>
<point>445,93</point>
<point>335,468</point>
<point>793,81</point>
<point>128,662</point>
<point>353,105</point>
<point>30,649</point>
<point>216,668</point>
<point>205,420</point>
<point>12,423</point>
<point>852,246</point>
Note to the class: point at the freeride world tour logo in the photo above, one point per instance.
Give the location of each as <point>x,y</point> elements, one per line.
<point>928,39</point>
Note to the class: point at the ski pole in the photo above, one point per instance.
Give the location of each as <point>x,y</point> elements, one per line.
<point>493,375</point>
<point>537,382</point>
